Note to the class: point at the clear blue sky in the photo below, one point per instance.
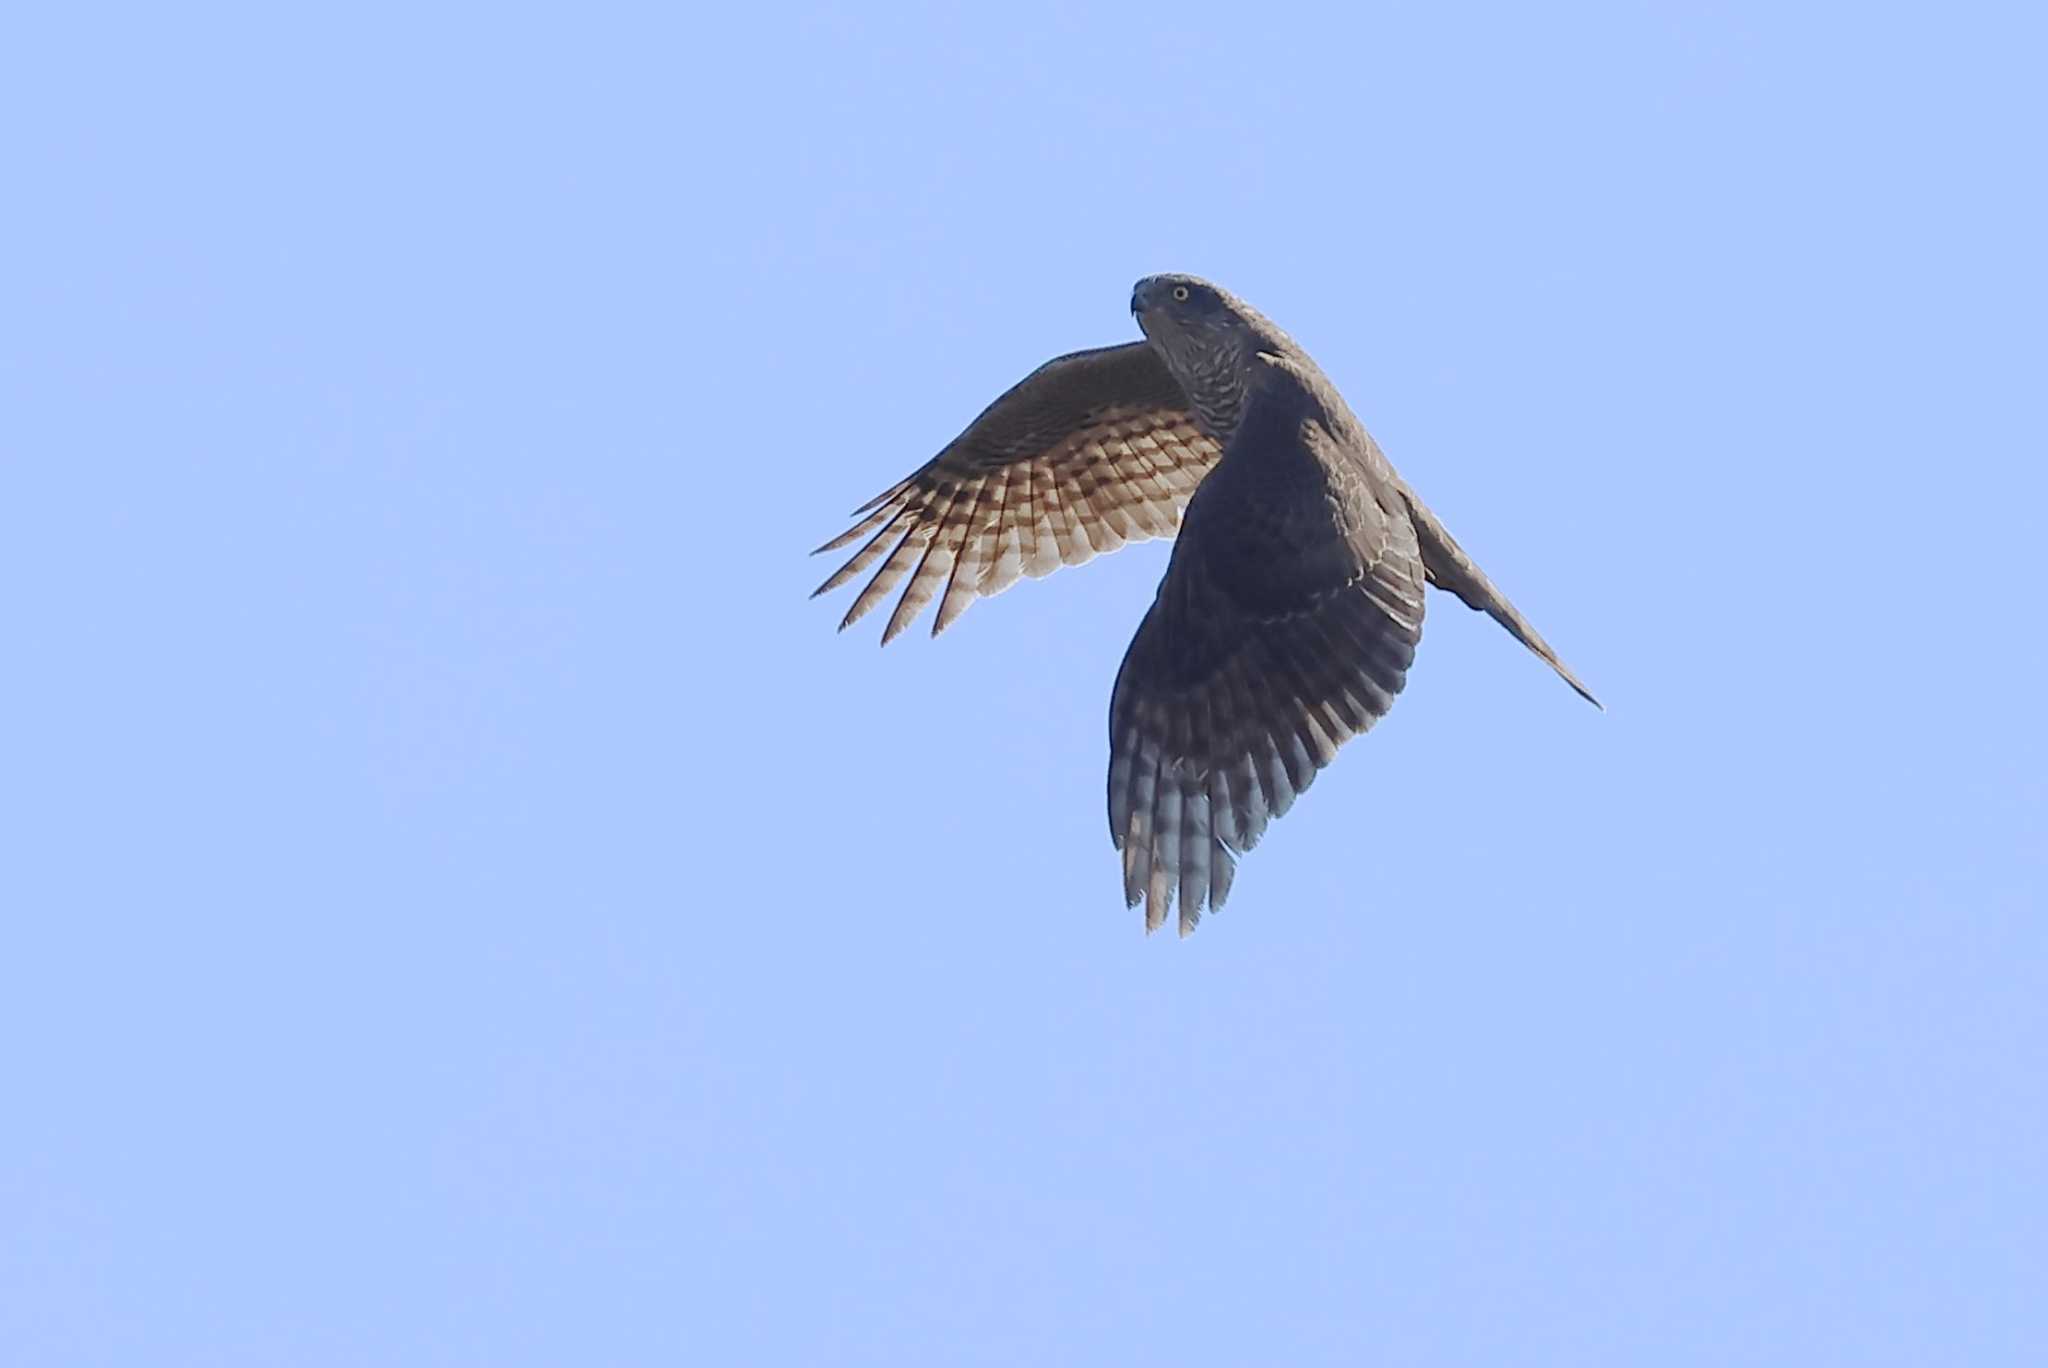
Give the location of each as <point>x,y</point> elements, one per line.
<point>463,904</point>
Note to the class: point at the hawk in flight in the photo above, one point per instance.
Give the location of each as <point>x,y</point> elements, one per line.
<point>1290,609</point>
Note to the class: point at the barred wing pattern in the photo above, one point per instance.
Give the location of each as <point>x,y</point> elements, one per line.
<point>1090,451</point>
<point>1237,689</point>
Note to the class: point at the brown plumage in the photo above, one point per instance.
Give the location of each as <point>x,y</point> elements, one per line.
<point>1291,607</point>
<point>1089,452</point>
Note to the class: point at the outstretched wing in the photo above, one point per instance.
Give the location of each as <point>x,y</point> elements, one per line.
<point>1284,627</point>
<point>1091,450</point>
<point>1450,568</point>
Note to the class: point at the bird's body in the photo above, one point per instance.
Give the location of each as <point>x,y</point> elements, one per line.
<point>1292,604</point>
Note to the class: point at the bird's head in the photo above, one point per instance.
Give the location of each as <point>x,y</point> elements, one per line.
<point>1183,304</point>
<point>1209,339</point>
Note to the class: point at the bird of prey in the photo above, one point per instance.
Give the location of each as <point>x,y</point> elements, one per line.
<point>1291,605</point>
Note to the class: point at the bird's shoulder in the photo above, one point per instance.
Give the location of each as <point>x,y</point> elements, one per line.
<point>1068,394</point>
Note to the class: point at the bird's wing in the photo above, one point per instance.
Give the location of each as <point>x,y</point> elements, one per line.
<point>1091,450</point>
<point>1284,627</point>
<point>1451,569</point>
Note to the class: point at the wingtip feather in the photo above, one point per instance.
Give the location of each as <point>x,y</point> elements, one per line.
<point>1580,689</point>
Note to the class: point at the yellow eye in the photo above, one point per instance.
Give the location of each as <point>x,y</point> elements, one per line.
<point>1180,294</point>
